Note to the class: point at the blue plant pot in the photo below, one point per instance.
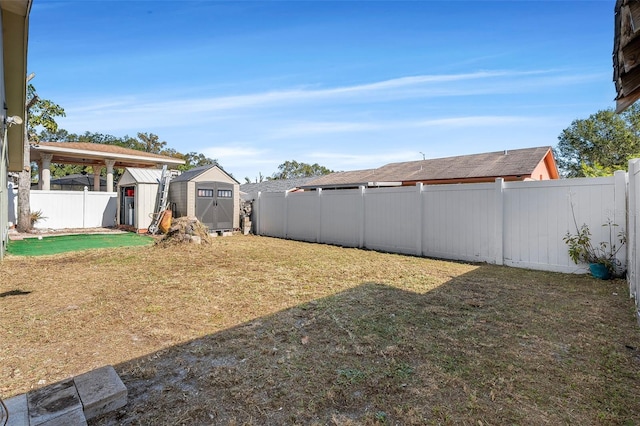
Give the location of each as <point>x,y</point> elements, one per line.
<point>600,271</point>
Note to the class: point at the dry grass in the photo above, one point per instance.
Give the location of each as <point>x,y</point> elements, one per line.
<point>252,330</point>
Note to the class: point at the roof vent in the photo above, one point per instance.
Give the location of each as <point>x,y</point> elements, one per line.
<point>506,152</point>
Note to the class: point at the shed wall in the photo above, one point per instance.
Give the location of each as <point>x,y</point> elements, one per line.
<point>178,196</point>
<point>215,175</point>
<point>145,203</point>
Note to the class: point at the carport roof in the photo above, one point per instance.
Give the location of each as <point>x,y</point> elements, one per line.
<point>84,153</point>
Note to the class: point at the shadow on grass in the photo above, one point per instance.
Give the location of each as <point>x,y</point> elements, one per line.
<point>548,349</point>
<point>16,292</point>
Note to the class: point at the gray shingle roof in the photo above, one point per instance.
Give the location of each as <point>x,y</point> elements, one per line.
<point>517,162</point>
<point>276,185</point>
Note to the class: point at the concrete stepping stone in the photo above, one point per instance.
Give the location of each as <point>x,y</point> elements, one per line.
<point>57,404</point>
<point>70,402</point>
<point>18,410</point>
<point>101,391</point>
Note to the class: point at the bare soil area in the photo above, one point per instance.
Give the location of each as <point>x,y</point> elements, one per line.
<point>253,330</point>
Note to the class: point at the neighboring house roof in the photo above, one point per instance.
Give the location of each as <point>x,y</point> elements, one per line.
<point>95,153</point>
<point>275,185</point>
<point>77,179</point>
<point>517,164</point>
<point>197,171</point>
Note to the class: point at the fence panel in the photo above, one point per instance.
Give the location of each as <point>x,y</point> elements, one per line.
<point>341,217</point>
<point>271,210</point>
<point>73,209</point>
<point>303,216</point>
<point>539,214</point>
<point>391,220</point>
<point>459,222</point>
<point>100,209</point>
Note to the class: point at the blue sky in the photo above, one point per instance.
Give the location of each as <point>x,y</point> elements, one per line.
<point>346,84</point>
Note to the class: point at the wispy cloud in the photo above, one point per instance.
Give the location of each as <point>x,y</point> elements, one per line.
<point>311,128</point>
<point>123,111</point>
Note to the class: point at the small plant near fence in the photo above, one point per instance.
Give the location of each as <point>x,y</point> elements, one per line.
<point>36,216</point>
<point>583,249</point>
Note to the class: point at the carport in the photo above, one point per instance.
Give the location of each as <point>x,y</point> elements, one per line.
<point>95,155</point>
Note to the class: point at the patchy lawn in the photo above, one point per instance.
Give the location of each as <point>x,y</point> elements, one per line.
<point>254,330</point>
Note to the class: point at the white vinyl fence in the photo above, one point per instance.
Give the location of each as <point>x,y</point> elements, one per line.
<point>518,224</point>
<point>70,209</point>
<point>633,236</point>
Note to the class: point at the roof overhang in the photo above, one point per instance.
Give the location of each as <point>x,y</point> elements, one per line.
<point>353,185</point>
<point>65,155</point>
<point>15,30</point>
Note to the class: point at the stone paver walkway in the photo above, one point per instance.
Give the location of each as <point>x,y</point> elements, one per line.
<point>70,402</point>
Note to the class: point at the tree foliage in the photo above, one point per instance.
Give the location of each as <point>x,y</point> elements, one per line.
<point>43,127</point>
<point>42,114</point>
<point>600,144</point>
<point>293,169</point>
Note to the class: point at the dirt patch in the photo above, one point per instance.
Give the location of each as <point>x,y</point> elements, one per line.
<point>254,330</point>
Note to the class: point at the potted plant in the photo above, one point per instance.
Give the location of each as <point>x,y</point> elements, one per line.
<point>601,257</point>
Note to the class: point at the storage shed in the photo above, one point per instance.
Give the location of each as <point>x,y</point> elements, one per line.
<point>137,192</point>
<point>208,193</point>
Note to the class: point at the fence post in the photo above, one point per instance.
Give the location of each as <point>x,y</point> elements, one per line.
<point>420,219</point>
<point>362,216</point>
<point>286,213</point>
<point>256,210</point>
<point>319,230</point>
<point>620,210</point>
<point>632,231</point>
<point>499,222</point>
<point>85,196</point>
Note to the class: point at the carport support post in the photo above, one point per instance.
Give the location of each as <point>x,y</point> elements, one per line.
<point>499,223</point>
<point>45,172</point>
<point>109,164</point>
<point>96,178</point>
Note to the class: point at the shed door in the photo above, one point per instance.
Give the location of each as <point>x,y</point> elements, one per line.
<point>214,205</point>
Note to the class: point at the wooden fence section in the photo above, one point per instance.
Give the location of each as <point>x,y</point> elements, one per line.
<point>518,224</point>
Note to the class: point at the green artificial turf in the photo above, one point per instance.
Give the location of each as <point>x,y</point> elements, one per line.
<point>66,243</point>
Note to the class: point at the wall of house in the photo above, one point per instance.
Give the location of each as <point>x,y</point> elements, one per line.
<point>4,193</point>
<point>541,172</point>
<point>514,223</point>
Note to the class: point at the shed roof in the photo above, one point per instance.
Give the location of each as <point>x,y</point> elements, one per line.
<point>517,162</point>
<point>197,171</point>
<point>139,175</point>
